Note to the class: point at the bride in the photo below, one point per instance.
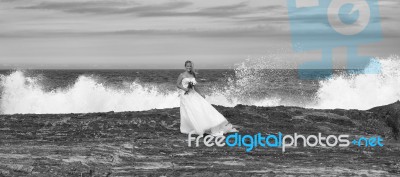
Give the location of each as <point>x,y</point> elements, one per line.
<point>197,115</point>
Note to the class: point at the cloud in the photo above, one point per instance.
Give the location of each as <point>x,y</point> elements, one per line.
<point>318,18</point>
<point>165,18</point>
<point>227,7</point>
<point>169,9</point>
<point>217,12</point>
<point>254,32</point>
<point>105,7</point>
<point>271,7</point>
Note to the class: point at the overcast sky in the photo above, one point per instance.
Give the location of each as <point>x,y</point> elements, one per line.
<point>147,34</point>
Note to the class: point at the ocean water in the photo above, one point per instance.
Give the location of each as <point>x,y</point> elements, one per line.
<point>83,91</point>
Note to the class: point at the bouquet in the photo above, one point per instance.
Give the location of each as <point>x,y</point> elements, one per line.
<point>190,86</point>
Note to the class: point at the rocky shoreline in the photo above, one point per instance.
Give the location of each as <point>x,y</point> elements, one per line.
<point>149,143</point>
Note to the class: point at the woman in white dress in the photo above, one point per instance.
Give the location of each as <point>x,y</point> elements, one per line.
<point>197,115</point>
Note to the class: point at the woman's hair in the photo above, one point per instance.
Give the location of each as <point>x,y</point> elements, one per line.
<point>193,71</point>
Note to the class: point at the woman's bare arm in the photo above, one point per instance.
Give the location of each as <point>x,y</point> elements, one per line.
<point>179,83</point>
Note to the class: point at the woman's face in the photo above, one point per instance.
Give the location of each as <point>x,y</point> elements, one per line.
<point>188,67</point>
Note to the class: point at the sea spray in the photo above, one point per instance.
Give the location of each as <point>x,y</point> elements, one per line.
<point>23,94</point>
<point>249,84</point>
<point>361,91</point>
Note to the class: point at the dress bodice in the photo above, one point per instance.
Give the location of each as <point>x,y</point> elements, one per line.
<point>185,81</point>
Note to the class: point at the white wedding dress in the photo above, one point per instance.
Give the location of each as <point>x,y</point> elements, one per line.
<point>198,116</point>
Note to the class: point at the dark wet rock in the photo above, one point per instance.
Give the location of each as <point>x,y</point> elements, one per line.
<point>389,114</point>
<point>149,143</point>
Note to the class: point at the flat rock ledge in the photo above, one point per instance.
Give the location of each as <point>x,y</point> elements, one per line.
<point>149,143</point>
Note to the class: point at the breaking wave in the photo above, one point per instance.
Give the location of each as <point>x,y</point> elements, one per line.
<point>248,86</point>
<point>362,91</point>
